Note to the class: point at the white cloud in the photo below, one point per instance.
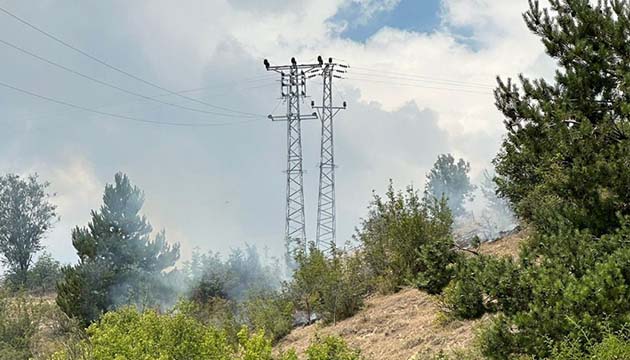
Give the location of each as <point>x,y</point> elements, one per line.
<point>190,176</point>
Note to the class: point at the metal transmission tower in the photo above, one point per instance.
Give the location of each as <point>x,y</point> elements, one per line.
<point>326,217</point>
<point>293,86</point>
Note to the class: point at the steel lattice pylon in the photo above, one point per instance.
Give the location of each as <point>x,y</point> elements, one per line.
<point>326,212</point>
<point>293,85</point>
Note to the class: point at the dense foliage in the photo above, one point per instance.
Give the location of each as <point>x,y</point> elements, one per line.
<point>567,148</point>
<point>407,240</point>
<point>129,334</point>
<point>119,262</point>
<point>328,288</point>
<point>564,165</point>
<point>26,214</point>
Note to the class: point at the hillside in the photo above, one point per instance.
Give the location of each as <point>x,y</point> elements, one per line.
<point>402,325</point>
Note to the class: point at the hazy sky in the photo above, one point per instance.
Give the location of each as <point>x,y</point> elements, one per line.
<point>221,187</point>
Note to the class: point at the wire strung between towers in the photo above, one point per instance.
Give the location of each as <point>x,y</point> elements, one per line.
<point>101,82</point>
<point>117,69</point>
<point>132,101</point>
<point>427,78</point>
<point>119,116</point>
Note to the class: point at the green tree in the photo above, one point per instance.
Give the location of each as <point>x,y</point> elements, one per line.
<point>119,262</point>
<point>567,146</point>
<point>449,179</point>
<point>44,274</point>
<point>26,214</point>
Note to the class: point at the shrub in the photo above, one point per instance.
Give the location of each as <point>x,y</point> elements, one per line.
<point>330,288</point>
<point>612,347</point>
<point>406,240</point>
<point>347,287</point>
<point>128,334</point>
<point>486,284</point>
<point>269,311</point>
<point>567,301</point>
<point>19,321</point>
<point>464,296</point>
<point>331,348</point>
<point>217,313</point>
<point>31,328</point>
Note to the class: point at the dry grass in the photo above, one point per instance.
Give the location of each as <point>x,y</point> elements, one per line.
<point>508,246</point>
<point>393,327</point>
<point>405,325</point>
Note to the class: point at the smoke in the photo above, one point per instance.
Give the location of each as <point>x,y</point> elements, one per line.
<point>489,216</point>
<point>235,277</point>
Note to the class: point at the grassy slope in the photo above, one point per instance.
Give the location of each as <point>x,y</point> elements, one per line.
<point>402,325</point>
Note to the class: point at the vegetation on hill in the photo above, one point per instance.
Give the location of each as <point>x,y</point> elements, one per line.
<point>562,168</point>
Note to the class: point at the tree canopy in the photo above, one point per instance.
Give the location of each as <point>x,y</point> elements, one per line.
<point>449,179</point>
<point>566,152</point>
<point>119,261</point>
<point>26,214</point>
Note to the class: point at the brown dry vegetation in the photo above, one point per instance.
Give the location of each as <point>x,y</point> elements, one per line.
<point>507,246</point>
<point>404,325</point>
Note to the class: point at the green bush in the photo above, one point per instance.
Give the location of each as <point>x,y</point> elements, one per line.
<point>486,284</point>
<point>463,298</point>
<point>347,287</point>
<point>331,288</point>
<point>566,298</point>
<point>128,334</point>
<point>31,328</point>
<point>19,320</point>
<point>331,348</point>
<point>612,347</point>
<point>406,240</point>
<point>269,311</point>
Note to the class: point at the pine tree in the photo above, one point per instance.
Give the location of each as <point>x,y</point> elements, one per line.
<point>567,146</point>
<point>119,262</point>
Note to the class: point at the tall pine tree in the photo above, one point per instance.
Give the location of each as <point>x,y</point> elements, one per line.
<point>567,150</point>
<point>119,262</point>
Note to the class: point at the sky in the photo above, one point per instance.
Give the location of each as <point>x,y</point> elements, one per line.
<point>419,84</point>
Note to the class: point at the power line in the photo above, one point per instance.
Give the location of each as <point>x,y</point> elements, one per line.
<point>417,85</point>
<point>112,67</point>
<point>118,116</point>
<point>65,68</point>
<point>420,76</point>
<point>34,117</point>
<point>415,79</point>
